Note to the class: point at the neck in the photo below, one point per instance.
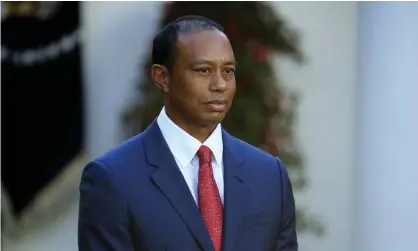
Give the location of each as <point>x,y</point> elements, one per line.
<point>199,132</point>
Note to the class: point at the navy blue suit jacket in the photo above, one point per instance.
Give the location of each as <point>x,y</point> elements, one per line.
<point>134,197</point>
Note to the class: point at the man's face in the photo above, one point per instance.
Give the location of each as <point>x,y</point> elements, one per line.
<point>202,81</point>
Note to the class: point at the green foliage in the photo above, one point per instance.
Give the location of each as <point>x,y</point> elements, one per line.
<point>263,111</point>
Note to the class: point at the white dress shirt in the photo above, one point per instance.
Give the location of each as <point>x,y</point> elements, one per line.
<point>184,147</point>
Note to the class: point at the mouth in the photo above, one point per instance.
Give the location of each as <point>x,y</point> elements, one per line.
<point>217,105</point>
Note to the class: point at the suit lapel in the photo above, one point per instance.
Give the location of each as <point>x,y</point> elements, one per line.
<point>235,190</point>
<point>171,182</point>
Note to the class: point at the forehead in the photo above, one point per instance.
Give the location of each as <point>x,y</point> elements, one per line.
<point>210,45</point>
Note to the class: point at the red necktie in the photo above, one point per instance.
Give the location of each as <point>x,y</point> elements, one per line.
<point>210,203</point>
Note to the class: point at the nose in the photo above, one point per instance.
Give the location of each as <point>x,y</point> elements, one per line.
<point>219,84</point>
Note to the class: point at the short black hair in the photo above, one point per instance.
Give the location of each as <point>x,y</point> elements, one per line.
<point>164,43</point>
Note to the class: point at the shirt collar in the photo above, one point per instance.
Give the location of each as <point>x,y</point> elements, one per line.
<point>184,146</point>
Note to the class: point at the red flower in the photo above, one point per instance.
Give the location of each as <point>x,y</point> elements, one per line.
<point>260,52</point>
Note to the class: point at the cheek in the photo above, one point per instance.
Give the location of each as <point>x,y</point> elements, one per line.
<point>232,87</point>
<point>191,93</point>
<point>195,87</point>
<point>233,84</point>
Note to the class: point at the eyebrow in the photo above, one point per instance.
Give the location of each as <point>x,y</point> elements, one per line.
<point>203,61</point>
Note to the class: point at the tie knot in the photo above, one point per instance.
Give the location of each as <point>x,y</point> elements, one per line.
<point>205,154</point>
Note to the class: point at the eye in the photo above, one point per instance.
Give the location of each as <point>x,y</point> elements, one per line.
<point>203,70</point>
<point>229,70</point>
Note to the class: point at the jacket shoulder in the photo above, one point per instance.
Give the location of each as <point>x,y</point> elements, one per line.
<point>252,154</point>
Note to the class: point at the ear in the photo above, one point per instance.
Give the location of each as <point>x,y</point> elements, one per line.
<point>160,77</point>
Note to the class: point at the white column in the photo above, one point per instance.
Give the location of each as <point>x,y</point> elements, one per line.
<point>386,171</point>
<point>116,39</point>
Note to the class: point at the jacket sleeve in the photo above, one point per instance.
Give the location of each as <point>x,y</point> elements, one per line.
<point>287,239</point>
<point>103,216</point>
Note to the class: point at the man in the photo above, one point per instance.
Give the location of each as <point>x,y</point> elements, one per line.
<point>185,184</point>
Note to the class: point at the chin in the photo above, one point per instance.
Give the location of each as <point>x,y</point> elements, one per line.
<point>215,117</point>
<point>210,119</point>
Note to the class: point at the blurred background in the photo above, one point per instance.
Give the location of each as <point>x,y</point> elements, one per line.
<point>330,87</point>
